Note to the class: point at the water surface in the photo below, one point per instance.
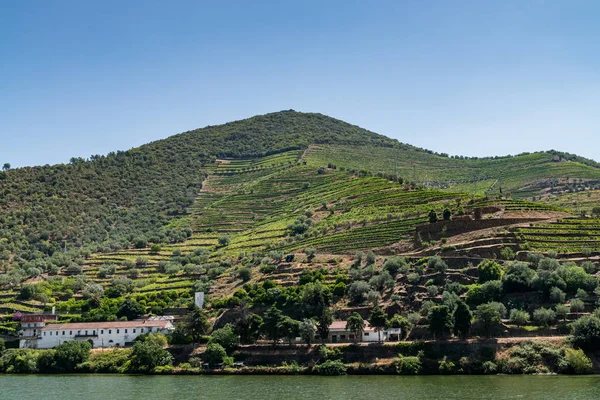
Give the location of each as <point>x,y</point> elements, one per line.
<point>123,387</point>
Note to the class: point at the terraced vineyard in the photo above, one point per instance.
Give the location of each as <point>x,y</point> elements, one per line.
<point>569,235</point>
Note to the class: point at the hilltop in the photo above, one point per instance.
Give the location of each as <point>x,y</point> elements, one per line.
<point>305,213</point>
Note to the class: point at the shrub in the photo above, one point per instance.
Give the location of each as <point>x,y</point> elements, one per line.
<point>224,241</point>
<point>245,274</point>
<point>577,362</point>
<point>330,368</point>
<point>214,354</point>
<point>507,253</point>
<point>489,270</point>
<point>586,332</point>
<point>226,337</point>
<point>447,367</point>
<point>437,264</point>
<point>577,306</point>
<point>544,316</point>
<point>518,317</point>
<point>408,365</point>
<point>69,354</point>
<point>557,295</point>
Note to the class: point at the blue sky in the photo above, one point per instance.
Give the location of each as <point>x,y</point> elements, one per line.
<point>463,77</point>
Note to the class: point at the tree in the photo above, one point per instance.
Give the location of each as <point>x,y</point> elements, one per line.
<point>324,321</point>
<point>226,337</point>
<point>378,320</point>
<point>356,324</point>
<point>130,309</point>
<point>197,323</point>
<point>437,264</point>
<point>447,215</point>
<point>557,296</point>
<point>518,317</point>
<point>289,328</point>
<point>307,331</point>
<point>315,297</point>
<point>577,306</point>
<point>148,353</point>
<point>272,324</point>
<point>433,217</point>
<point>398,321</point>
<point>357,291</point>
<point>489,270</point>
<point>69,354</point>
<point>596,211</point>
<point>586,332</point>
<point>488,317</point>
<point>224,241</point>
<point>245,274</point>
<point>544,316</point>
<point>214,354</point>
<point>462,319</point>
<point>518,278</point>
<point>6,166</point>
<point>249,327</point>
<point>440,321</point>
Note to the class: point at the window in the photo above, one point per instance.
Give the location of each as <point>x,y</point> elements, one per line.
<point>94,333</point>
<point>79,332</point>
<point>71,333</point>
<point>50,333</point>
<point>56,333</point>
<point>63,333</point>
<point>44,333</point>
<point>102,331</point>
<point>126,330</point>
<point>134,330</point>
<point>117,331</point>
<point>109,331</point>
<point>366,334</point>
<point>86,333</point>
<point>141,330</point>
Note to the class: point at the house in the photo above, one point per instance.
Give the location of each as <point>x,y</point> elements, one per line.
<point>32,323</point>
<point>339,334</point>
<point>99,334</point>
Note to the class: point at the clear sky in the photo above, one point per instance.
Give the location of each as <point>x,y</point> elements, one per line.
<point>463,77</point>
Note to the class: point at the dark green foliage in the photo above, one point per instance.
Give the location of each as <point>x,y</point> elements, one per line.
<point>408,365</point>
<point>489,271</point>
<point>330,368</point>
<point>272,324</point>
<point>489,291</point>
<point>440,321</point>
<point>378,320</point>
<point>462,319</point>
<point>69,354</point>
<point>488,318</point>
<point>518,278</point>
<point>148,353</point>
<point>249,328</point>
<point>226,337</point>
<point>433,217</point>
<point>197,324</point>
<point>323,322</point>
<point>131,310</point>
<point>355,324</point>
<point>245,274</point>
<point>586,332</point>
<point>214,354</point>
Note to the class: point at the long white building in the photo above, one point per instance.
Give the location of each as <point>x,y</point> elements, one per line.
<point>99,334</point>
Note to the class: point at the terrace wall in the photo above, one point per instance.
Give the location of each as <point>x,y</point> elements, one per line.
<point>464,225</point>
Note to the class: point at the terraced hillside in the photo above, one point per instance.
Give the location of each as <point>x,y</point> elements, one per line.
<point>301,212</point>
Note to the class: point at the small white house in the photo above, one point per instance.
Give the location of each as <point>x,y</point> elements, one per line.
<point>99,334</point>
<point>339,334</point>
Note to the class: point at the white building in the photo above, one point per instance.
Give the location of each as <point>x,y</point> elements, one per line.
<point>339,334</point>
<point>99,334</point>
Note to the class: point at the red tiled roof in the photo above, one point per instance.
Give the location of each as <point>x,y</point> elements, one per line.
<point>341,325</point>
<point>162,324</point>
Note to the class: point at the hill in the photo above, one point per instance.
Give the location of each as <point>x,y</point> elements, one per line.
<point>298,211</point>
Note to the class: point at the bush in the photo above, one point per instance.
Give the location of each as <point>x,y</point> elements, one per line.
<point>226,337</point>
<point>330,368</point>
<point>577,362</point>
<point>408,365</point>
<point>214,354</point>
<point>224,241</point>
<point>148,353</point>
<point>557,296</point>
<point>518,317</point>
<point>577,306</point>
<point>544,316</point>
<point>69,354</point>
<point>586,332</point>
<point>489,270</point>
<point>357,291</point>
<point>245,274</point>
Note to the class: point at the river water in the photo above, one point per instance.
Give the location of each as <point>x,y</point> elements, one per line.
<point>123,387</point>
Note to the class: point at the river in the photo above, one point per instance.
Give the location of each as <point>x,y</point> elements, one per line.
<point>123,387</point>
